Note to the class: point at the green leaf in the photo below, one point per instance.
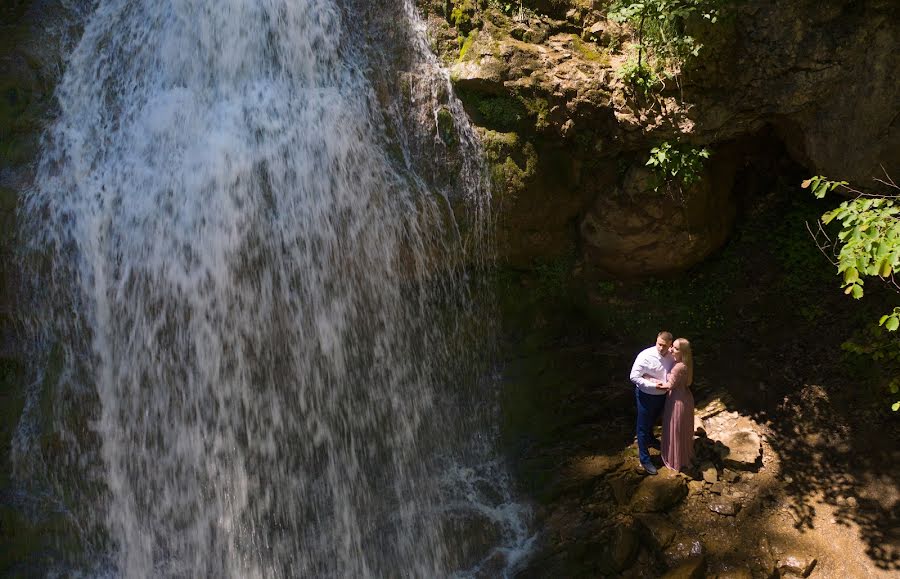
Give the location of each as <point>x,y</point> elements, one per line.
<point>892,324</point>
<point>895,406</point>
<point>858,293</point>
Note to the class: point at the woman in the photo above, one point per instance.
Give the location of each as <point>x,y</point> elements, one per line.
<point>678,416</point>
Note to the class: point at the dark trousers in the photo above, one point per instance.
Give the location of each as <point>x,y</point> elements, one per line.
<point>649,409</point>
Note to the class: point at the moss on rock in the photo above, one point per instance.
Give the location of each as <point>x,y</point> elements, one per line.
<point>446,127</point>
<point>464,16</point>
<point>590,51</point>
<point>512,162</point>
<point>465,43</point>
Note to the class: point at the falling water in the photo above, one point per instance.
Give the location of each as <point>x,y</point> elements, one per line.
<point>256,330</point>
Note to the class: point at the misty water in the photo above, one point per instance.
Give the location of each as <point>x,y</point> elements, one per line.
<point>261,343</point>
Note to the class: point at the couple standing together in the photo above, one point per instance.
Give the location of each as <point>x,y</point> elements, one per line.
<point>662,375</point>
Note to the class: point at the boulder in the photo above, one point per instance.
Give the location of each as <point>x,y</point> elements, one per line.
<point>659,493</point>
<point>623,548</point>
<point>588,467</point>
<point>621,489</point>
<point>656,530</point>
<point>633,229</point>
<point>695,487</point>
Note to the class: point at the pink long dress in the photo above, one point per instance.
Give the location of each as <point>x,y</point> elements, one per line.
<point>678,421</point>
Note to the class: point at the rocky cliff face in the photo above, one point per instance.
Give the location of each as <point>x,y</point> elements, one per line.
<point>568,139</point>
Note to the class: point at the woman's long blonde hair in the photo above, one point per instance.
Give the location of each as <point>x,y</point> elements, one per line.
<point>687,357</point>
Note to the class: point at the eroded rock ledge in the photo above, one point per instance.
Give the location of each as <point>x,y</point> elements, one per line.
<point>568,140</point>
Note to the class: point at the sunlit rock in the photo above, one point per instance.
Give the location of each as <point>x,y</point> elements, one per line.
<point>741,444</point>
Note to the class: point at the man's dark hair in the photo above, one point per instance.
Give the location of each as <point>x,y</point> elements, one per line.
<point>667,336</point>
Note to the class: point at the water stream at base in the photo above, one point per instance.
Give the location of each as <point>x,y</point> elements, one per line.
<point>259,349</point>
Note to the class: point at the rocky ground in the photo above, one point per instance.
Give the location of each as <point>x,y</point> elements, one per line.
<point>769,329</point>
<point>732,515</point>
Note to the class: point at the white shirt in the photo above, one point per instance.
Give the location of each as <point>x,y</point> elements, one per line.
<point>649,362</point>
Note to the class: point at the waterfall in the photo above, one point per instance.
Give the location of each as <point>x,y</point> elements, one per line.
<point>258,324</point>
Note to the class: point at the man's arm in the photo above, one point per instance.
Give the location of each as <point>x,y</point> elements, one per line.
<point>637,374</point>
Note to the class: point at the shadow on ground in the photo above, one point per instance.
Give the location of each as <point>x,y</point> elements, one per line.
<point>767,321</point>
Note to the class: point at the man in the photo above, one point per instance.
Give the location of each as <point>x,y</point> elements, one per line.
<point>648,374</point>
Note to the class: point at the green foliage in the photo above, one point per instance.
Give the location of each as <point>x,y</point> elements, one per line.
<point>676,165</point>
<point>464,16</point>
<point>508,7</point>
<point>875,351</point>
<point>821,186</point>
<point>867,245</point>
<point>640,77</point>
<point>500,111</point>
<point>661,25</point>
<point>891,321</point>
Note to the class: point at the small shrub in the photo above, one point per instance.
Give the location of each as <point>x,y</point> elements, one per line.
<point>640,77</point>
<point>676,166</point>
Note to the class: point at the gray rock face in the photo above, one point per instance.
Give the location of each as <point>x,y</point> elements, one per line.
<point>624,548</point>
<point>817,72</point>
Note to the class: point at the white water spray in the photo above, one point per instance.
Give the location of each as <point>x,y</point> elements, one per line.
<point>257,300</point>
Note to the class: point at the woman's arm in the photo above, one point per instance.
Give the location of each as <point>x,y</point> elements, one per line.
<point>676,377</point>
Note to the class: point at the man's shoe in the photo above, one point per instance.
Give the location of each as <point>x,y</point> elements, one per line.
<point>649,468</point>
